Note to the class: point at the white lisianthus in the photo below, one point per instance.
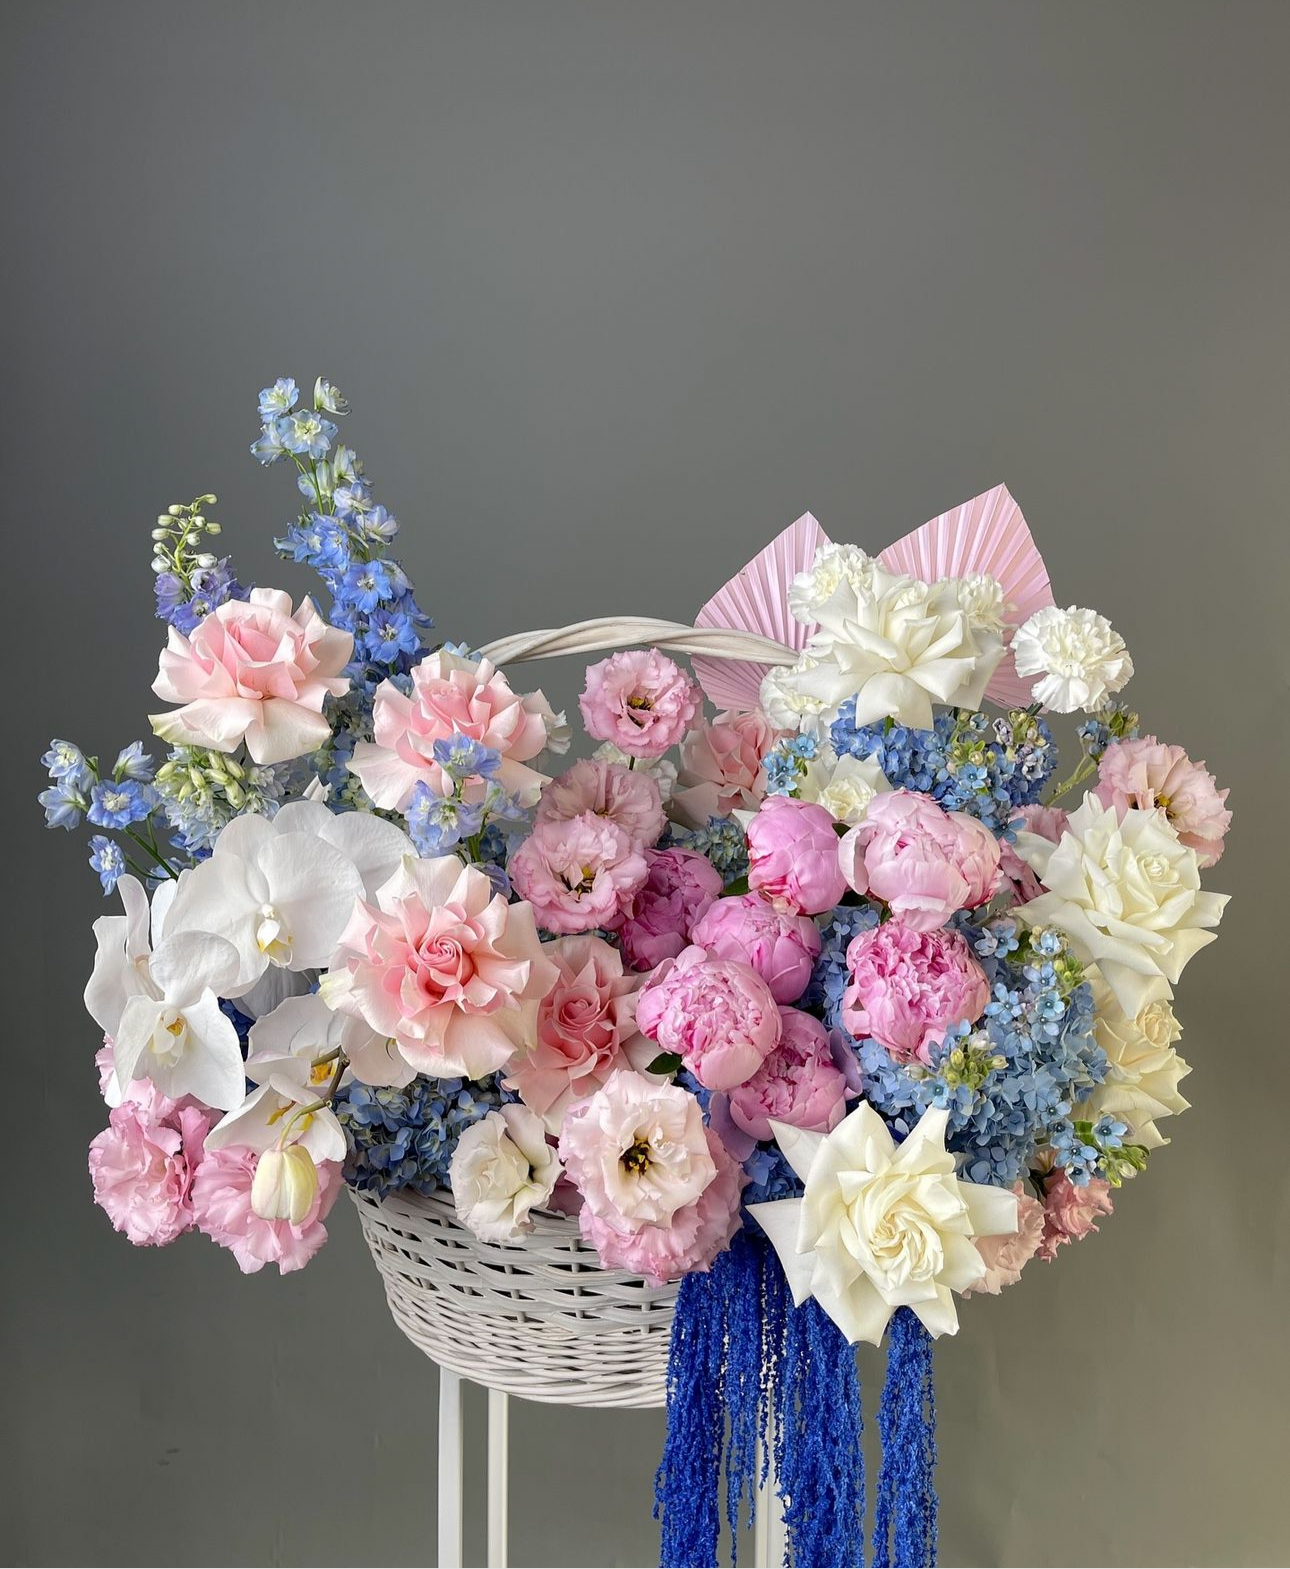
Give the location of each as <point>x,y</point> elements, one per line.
<point>1126,892</point>
<point>881,1226</point>
<point>1078,655</point>
<point>660,769</point>
<point>843,786</point>
<point>503,1169</point>
<point>1144,1070</point>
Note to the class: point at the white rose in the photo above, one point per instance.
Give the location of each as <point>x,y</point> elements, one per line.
<point>1144,1069</point>
<point>1127,894</point>
<point>1078,655</point>
<point>843,786</point>
<point>502,1169</point>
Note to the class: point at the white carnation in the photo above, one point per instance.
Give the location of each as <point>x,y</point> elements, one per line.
<point>834,565</point>
<point>1078,655</point>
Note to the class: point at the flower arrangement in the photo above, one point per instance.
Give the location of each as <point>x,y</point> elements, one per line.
<point>837,970</point>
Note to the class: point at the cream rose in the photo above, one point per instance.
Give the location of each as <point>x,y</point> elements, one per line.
<point>501,1171</point>
<point>843,786</point>
<point>1142,1081</point>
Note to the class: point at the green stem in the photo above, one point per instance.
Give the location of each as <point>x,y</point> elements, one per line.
<point>152,850</point>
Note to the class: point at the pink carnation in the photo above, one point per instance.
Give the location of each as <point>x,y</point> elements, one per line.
<point>799,1083</point>
<point>578,874</point>
<point>1148,774</point>
<point>1069,1211</point>
<point>779,944</point>
<point>908,987</point>
<point>680,887</point>
<point>1048,822</point>
<point>142,1164</point>
<point>721,766</point>
<point>793,856</point>
<point>640,701</point>
<point>922,861</point>
<point>222,1210</point>
<point>626,797</point>
<point>717,1015</point>
<point>1007,1255</point>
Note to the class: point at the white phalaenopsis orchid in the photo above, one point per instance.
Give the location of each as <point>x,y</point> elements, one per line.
<point>157,997</point>
<point>297,1044</point>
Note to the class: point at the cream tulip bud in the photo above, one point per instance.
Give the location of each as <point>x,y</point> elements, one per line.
<point>285,1184</point>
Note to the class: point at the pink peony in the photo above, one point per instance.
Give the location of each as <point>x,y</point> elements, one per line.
<point>578,874</point>
<point>222,1210</point>
<point>1069,1211</point>
<point>780,945</point>
<point>1007,1254</point>
<point>721,767</point>
<point>142,1164</point>
<point>793,856</point>
<point>1046,821</point>
<point>624,796</point>
<point>924,862</point>
<point>640,701</point>
<point>586,1029</point>
<point>1148,774</point>
<point>450,696</point>
<point>253,671</point>
<point>908,987</point>
<point>799,1083</point>
<point>681,885</point>
<point>717,1015</point>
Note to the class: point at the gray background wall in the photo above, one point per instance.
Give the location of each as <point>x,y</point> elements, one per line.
<point>617,292</point>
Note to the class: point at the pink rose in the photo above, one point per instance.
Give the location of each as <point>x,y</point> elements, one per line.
<point>793,856</point>
<point>222,1210</point>
<point>1049,823</point>
<point>717,1015</point>
<point>253,671</point>
<point>142,1164</point>
<point>450,696</point>
<point>1069,1211</point>
<point>1147,774</point>
<point>779,944</point>
<point>908,987</point>
<point>680,886</point>
<point>640,701</point>
<point>924,862</point>
<point>799,1083</point>
<point>578,874</point>
<point>624,796</point>
<point>721,766</point>
<point>1007,1254</point>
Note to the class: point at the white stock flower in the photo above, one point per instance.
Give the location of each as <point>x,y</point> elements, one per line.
<point>1144,1070</point>
<point>1078,655</point>
<point>1126,892</point>
<point>502,1169</point>
<point>843,786</point>
<point>881,1226</point>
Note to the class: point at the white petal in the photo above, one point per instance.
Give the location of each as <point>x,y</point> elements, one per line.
<point>799,1147</point>
<point>211,1068</point>
<point>780,1219</point>
<point>218,897</point>
<point>373,845</point>
<point>313,887</point>
<point>992,1211</point>
<point>189,963</point>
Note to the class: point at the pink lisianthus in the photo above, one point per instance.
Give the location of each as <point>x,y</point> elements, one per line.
<point>1007,1254</point>
<point>1046,821</point>
<point>799,1083</point>
<point>451,696</point>
<point>780,945</point>
<point>721,766</point>
<point>143,1162</point>
<point>222,1210</point>
<point>1070,1211</point>
<point>679,888</point>
<point>922,861</point>
<point>717,1015</point>
<point>578,874</point>
<point>640,701</point>
<point>908,987</point>
<point>793,856</point>
<point>622,795</point>
<point>1147,774</point>
<point>253,671</point>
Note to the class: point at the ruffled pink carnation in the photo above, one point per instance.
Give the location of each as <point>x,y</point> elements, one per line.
<point>579,874</point>
<point>717,1015</point>
<point>908,987</point>
<point>623,795</point>
<point>1046,821</point>
<point>780,945</point>
<point>922,861</point>
<point>1070,1211</point>
<point>222,1210</point>
<point>721,766</point>
<point>640,701</point>
<point>793,856</point>
<point>680,887</point>
<point>142,1164</point>
<point>1007,1255</point>
<point>1147,774</point>
<point>799,1083</point>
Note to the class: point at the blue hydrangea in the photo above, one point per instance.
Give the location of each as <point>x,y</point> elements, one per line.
<point>107,860</point>
<point>829,977</point>
<point>404,1139</point>
<point>724,843</point>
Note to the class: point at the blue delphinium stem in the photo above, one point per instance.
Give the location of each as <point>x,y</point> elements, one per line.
<point>905,1527</point>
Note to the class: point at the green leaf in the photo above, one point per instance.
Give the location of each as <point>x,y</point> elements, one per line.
<point>667,1062</point>
<point>738,886</point>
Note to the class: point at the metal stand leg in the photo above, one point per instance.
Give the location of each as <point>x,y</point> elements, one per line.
<point>498,1458</point>
<point>449,1470</point>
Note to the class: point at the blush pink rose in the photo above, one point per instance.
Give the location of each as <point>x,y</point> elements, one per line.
<point>924,862</point>
<point>451,696</point>
<point>1048,822</point>
<point>1007,1255</point>
<point>640,701</point>
<point>780,945</point>
<point>717,1015</point>
<point>680,886</point>
<point>143,1162</point>
<point>1070,1211</point>
<point>793,856</point>
<point>799,1083</point>
<point>253,671</point>
<point>908,987</point>
<point>222,1211</point>
<point>579,874</point>
<point>626,797</point>
<point>721,766</point>
<point>1147,774</point>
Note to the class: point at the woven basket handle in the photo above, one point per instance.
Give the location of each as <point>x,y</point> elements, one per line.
<point>610,632</point>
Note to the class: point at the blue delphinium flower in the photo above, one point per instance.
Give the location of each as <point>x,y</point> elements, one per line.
<point>405,1139</point>
<point>436,822</point>
<point>118,803</point>
<point>462,757</point>
<point>65,803</point>
<point>267,447</point>
<point>132,762</point>
<point>390,633</point>
<point>66,761</point>
<point>279,399</point>
<point>306,434</point>
<point>327,397</point>
<point>107,860</point>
